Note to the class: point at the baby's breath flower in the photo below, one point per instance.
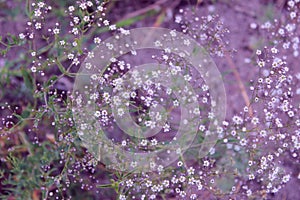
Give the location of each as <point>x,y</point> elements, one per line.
<point>21,36</point>
<point>86,18</point>
<point>97,113</point>
<point>56,31</point>
<point>179,163</point>
<point>37,13</point>
<point>97,40</point>
<point>106,22</point>
<point>33,69</point>
<point>62,42</point>
<point>71,8</point>
<point>144,142</point>
<point>261,63</point>
<point>74,44</point>
<point>113,27</point>
<point>38,26</point>
<point>237,120</point>
<point>206,163</point>
<point>255,121</point>
<point>100,8</point>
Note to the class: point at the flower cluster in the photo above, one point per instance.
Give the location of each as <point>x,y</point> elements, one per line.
<point>141,110</point>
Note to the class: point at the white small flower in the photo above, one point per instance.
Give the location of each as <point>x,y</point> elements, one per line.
<point>237,120</point>
<point>133,164</point>
<point>122,197</point>
<point>97,113</point>
<point>243,142</point>
<point>187,77</point>
<point>291,113</point>
<point>106,22</point>
<point>196,111</point>
<point>157,43</point>
<point>206,163</point>
<point>176,103</point>
<point>249,192</point>
<point>255,121</point>
<point>180,163</point>
<point>76,20</point>
<point>56,31</point>
<point>182,179</point>
<point>165,57</point>
<point>144,142</point>
<point>258,52</point>
<point>133,94</point>
<point>86,18</point>
<point>153,142</point>
<point>76,62</point>
<point>178,19</point>
<point>293,15</point>
<point>281,31</point>
<point>173,33</point>
<point>251,177</point>
<point>90,54</point>
<point>191,171</point>
<point>261,63</point>
<point>33,69</point>
<point>97,40</point>
<point>37,13</point>
<point>166,128</point>
<point>109,46</point>
<point>94,77</point>
<point>150,124</point>
<point>112,27</point>
<point>205,88</point>
<point>187,42</point>
<point>274,50</point>
<point>89,4</point>
<point>71,8</point>
<point>286,178</point>
<point>83,126</point>
<point>74,44</point>
<point>75,31</point>
<point>41,4</point>
<point>70,56</point>
<point>202,128</point>
<point>83,6</point>
<point>253,25</point>
<point>100,8</point>
<point>106,96</point>
<point>88,65</point>
<point>121,112</point>
<point>21,36</point>
<point>124,31</point>
<point>38,26</point>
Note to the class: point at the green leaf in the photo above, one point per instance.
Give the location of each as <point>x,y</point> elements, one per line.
<point>128,22</point>
<point>45,48</point>
<point>105,186</point>
<point>3,52</point>
<point>25,113</point>
<point>51,80</point>
<point>61,67</point>
<point>27,79</point>
<point>18,116</point>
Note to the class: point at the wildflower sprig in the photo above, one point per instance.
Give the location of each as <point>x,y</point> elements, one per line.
<point>44,153</point>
